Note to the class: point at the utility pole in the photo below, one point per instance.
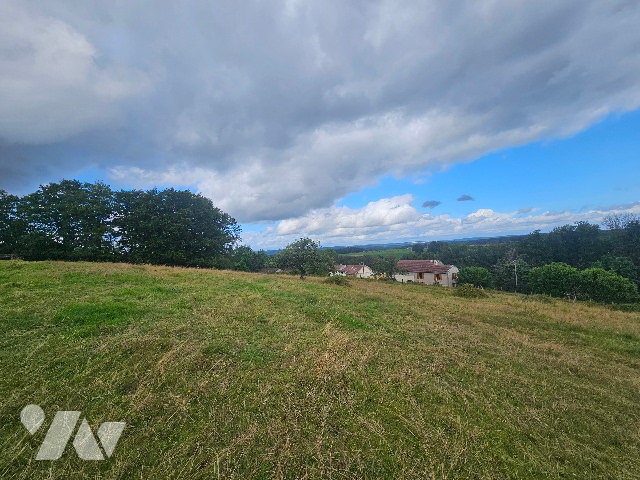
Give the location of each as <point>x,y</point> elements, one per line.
<point>515,268</point>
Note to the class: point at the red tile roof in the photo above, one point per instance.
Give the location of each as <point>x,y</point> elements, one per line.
<point>423,266</point>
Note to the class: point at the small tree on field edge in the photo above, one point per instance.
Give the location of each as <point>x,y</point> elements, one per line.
<point>305,257</point>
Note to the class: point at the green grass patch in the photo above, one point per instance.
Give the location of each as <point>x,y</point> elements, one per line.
<point>234,375</point>
<point>92,318</point>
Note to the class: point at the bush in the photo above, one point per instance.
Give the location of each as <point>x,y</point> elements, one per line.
<point>338,280</point>
<point>469,291</point>
<point>595,284</point>
<point>555,279</point>
<point>602,285</point>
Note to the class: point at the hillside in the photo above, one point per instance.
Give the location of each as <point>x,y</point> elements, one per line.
<point>235,375</point>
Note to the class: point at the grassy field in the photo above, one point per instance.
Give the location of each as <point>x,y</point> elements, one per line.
<point>232,375</point>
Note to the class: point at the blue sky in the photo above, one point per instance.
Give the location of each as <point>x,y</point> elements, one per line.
<point>597,167</point>
<point>582,175</point>
<point>330,119</point>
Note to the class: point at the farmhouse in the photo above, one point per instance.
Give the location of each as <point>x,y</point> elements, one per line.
<point>360,271</point>
<point>427,271</point>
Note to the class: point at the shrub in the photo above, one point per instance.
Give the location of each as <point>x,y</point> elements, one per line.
<point>469,291</point>
<point>555,279</point>
<point>338,280</point>
<point>602,285</point>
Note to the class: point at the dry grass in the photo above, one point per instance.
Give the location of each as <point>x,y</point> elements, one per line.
<point>253,376</point>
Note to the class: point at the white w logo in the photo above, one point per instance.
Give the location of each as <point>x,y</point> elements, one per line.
<point>59,433</point>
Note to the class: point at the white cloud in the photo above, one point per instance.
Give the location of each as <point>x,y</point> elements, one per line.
<point>394,219</point>
<point>274,109</point>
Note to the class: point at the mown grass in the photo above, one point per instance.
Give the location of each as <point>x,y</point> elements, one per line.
<point>233,375</point>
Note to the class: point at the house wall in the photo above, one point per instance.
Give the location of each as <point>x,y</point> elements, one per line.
<point>364,274</point>
<point>446,279</point>
<point>405,278</point>
<point>450,274</point>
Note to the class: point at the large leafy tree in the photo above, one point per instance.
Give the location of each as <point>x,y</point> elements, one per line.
<point>577,245</point>
<point>173,227</point>
<point>304,257</point>
<point>67,220</point>
<point>478,276</point>
<point>620,221</point>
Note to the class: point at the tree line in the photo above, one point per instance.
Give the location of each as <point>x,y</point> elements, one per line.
<point>583,260</point>
<point>73,220</point>
<point>580,261</point>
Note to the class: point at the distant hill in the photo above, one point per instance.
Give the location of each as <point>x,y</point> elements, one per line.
<point>341,249</point>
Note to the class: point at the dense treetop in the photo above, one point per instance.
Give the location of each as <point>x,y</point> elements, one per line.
<point>72,220</point>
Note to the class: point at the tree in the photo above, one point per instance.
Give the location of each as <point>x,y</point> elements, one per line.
<point>385,266</point>
<point>577,245</point>
<point>435,246</point>
<point>478,276</point>
<point>620,221</point>
<point>305,257</point>
<point>245,259</point>
<point>555,279</point>
<point>535,249</point>
<point>602,285</point>
<point>511,274</point>
<point>625,242</point>
<point>70,220</point>
<point>331,254</point>
<point>11,228</point>
<point>620,265</point>
<point>173,227</point>
<point>418,247</point>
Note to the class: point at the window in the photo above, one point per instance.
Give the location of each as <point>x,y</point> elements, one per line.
<point>421,276</point>
<point>454,276</point>
<point>437,277</point>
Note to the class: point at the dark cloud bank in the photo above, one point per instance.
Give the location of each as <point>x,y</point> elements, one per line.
<point>275,108</point>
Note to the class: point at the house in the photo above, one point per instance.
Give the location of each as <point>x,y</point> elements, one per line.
<point>427,271</point>
<point>360,271</point>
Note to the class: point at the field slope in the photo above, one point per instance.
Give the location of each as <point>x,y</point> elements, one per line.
<point>231,375</point>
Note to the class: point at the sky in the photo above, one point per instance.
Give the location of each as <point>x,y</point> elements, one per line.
<point>350,122</point>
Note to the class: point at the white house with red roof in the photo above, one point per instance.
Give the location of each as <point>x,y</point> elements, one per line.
<point>360,271</point>
<point>427,271</point>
